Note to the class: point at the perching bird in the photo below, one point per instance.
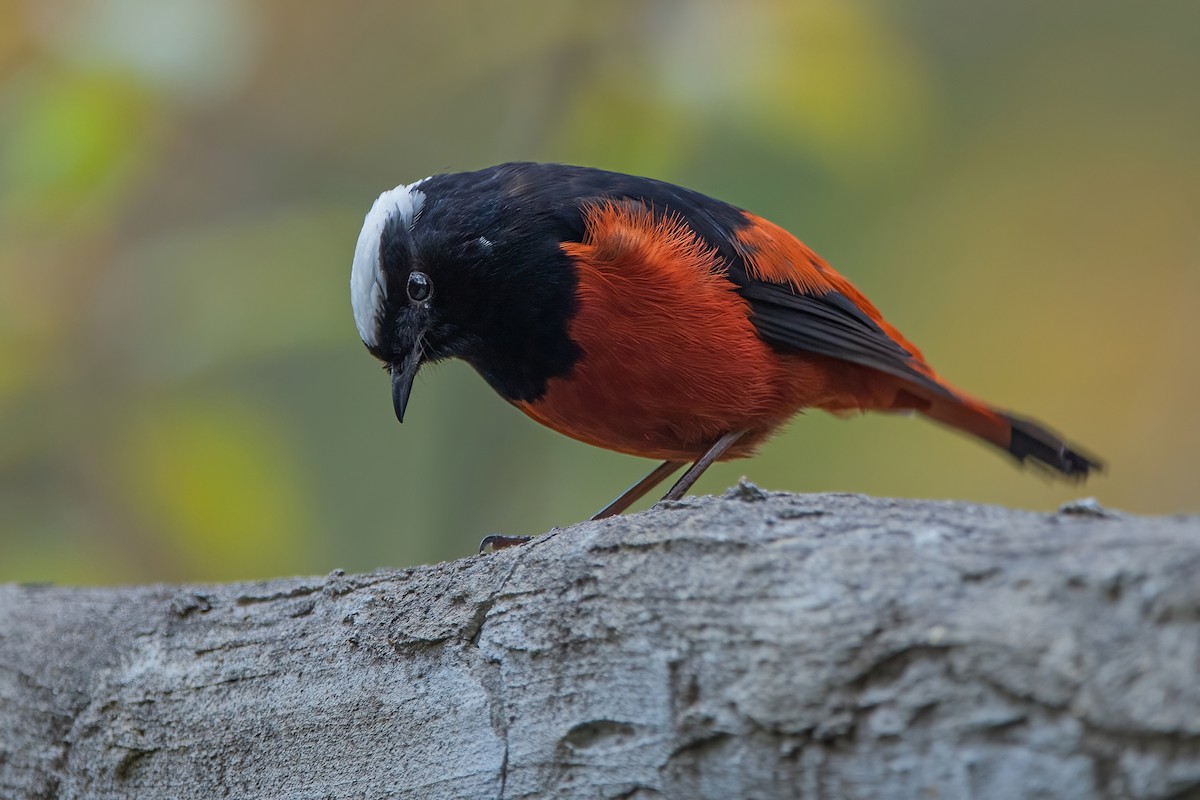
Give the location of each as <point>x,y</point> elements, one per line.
<point>641,317</point>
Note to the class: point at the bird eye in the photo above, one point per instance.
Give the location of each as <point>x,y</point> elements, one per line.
<point>419,287</point>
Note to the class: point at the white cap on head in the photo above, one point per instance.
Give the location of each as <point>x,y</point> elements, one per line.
<point>368,289</point>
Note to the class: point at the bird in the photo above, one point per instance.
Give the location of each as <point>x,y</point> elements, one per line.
<point>642,317</point>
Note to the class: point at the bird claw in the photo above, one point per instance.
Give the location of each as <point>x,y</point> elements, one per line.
<point>497,541</point>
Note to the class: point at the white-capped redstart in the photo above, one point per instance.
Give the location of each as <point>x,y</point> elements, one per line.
<point>642,317</point>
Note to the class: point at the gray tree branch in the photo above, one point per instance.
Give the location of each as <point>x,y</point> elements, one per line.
<point>751,646</point>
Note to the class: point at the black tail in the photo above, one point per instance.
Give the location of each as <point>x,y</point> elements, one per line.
<point>1020,437</point>
<point>1047,449</point>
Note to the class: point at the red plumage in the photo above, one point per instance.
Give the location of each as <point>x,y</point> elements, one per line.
<point>657,309</point>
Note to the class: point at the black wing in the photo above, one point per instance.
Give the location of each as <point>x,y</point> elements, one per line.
<point>828,324</point>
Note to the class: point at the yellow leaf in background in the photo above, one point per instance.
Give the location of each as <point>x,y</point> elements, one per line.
<point>830,77</point>
<point>74,146</point>
<point>220,485</point>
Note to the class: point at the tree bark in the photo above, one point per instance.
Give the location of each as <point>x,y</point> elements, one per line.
<point>750,646</point>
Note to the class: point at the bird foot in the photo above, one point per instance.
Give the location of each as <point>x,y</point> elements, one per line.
<point>496,541</point>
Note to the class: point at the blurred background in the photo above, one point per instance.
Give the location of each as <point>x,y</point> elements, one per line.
<point>183,395</point>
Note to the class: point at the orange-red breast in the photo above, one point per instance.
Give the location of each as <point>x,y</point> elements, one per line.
<point>642,317</point>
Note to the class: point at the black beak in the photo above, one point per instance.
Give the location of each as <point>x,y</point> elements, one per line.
<point>402,380</point>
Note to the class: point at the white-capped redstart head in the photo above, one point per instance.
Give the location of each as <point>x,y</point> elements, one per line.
<point>640,316</point>
<point>449,267</point>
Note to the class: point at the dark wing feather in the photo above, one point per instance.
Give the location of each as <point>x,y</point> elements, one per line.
<point>828,324</point>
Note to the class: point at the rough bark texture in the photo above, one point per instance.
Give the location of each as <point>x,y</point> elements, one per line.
<point>750,646</point>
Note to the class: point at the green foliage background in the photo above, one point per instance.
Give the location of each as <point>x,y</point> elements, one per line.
<point>182,392</point>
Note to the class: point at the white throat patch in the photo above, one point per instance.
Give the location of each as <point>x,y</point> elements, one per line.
<point>368,289</point>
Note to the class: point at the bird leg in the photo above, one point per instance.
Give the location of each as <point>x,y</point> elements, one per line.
<point>498,541</point>
<point>638,490</point>
<point>635,492</point>
<point>704,462</point>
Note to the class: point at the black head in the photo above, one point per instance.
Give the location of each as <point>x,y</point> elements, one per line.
<point>467,266</point>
